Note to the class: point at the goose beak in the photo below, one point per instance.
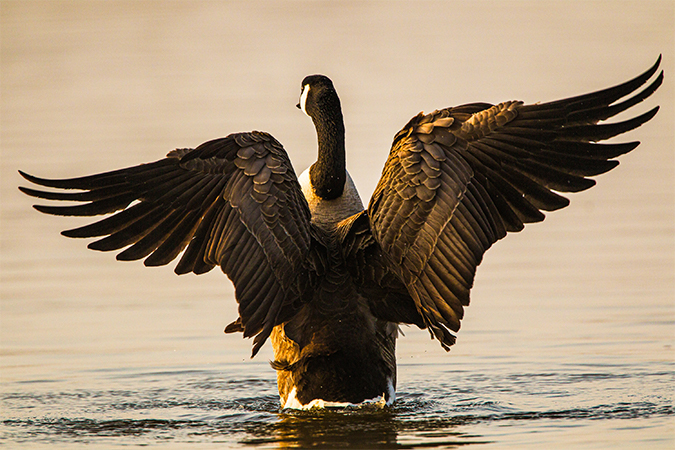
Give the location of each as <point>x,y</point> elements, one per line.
<point>298,106</point>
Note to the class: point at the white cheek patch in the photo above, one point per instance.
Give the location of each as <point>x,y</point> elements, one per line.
<point>303,98</point>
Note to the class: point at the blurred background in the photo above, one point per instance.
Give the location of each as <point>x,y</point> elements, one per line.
<point>90,86</point>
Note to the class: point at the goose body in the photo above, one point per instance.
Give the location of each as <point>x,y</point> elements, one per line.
<point>326,280</point>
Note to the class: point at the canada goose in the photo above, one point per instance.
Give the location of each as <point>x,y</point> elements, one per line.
<point>329,281</point>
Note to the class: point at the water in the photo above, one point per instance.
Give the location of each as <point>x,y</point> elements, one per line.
<point>567,343</point>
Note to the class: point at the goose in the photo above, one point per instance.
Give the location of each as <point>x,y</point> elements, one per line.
<point>326,280</point>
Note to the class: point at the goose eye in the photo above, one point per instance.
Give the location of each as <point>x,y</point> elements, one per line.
<point>303,98</point>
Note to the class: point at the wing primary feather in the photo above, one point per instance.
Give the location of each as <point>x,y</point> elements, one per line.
<point>115,177</point>
<point>491,210</point>
<point>148,243</point>
<point>167,190</point>
<point>175,242</point>
<point>533,192</point>
<point>229,240</point>
<point>551,178</point>
<point>576,165</point>
<point>539,196</point>
<point>193,258</point>
<point>87,196</point>
<point>114,223</point>
<point>604,112</point>
<point>131,233</point>
<point>505,194</point>
<point>608,95</point>
<point>105,206</point>
<point>476,210</point>
<point>215,241</point>
<point>591,149</point>
<point>198,191</point>
<point>609,130</point>
<point>509,217</point>
<point>448,285</point>
<point>214,189</point>
<point>270,319</point>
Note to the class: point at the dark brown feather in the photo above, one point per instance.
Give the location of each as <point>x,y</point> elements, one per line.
<point>502,166</point>
<point>233,202</point>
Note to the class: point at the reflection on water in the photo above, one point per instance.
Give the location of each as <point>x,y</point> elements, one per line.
<point>233,405</point>
<point>568,342</point>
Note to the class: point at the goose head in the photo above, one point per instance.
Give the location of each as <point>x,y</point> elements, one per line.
<point>319,100</point>
<point>318,97</point>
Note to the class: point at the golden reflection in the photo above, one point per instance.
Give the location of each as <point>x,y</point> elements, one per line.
<point>361,427</point>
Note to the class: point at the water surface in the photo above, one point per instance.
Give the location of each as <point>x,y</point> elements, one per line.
<point>567,343</point>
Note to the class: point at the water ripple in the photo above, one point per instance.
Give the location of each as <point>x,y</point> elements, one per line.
<point>258,421</point>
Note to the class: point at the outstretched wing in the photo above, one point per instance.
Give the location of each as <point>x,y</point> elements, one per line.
<point>233,202</point>
<point>459,179</point>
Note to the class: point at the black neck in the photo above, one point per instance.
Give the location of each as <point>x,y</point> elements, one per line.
<point>328,173</point>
